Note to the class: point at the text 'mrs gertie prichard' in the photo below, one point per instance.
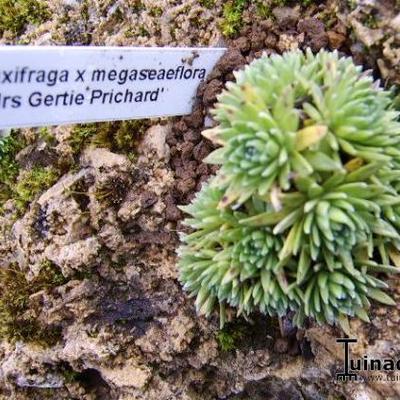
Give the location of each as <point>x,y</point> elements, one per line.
<point>25,75</point>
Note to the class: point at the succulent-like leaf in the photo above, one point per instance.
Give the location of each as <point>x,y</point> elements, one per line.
<point>305,209</point>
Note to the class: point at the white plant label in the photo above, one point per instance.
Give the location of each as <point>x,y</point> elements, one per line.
<point>42,86</point>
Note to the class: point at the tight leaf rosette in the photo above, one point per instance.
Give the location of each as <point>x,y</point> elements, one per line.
<point>295,115</point>
<point>304,212</point>
<point>223,262</point>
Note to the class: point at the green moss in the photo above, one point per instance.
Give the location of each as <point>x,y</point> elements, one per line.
<point>172,31</point>
<point>9,147</point>
<point>9,167</point>
<point>137,31</point>
<point>120,137</point>
<point>264,8</point>
<point>156,12</point>
<point>370,21</point>
<point>70,376</point>
<point>233,11</point>
<point>352,4</point>
<point>132,157</point>
<point>118,15</point>
<point>17,322</point>
<point>306,2</point>
<point>226,341</point>
<point>16,14</point>
<point>232,17</point>
<point>143,31</point>
<point>80,136</point>
<point>50,275</point>
<point>47,136</point>
<point>230,336</point>
<point>207,3</point>
<point>33,182</point>
<point>127,135</point>
<point>129,33</point>
<point>18,319</point>
<point>138,6</point>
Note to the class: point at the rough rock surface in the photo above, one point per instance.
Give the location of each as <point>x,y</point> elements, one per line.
<point>110,224</point>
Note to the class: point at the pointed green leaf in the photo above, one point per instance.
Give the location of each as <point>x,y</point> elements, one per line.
<point>380,296</point>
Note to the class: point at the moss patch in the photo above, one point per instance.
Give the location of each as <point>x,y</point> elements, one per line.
<point>18,319</point>
<point>9,168</point>
<point>119,137</point>
<point>81,135</point>
<point>50,276</point>
<point>16,14</point>
<point>207,3</point>
<point>232,17</point>
<point>264,8</point>
<point>17,322</point>
<point>31,183</point>
<point>25,186</point>
<point>230,337</point>
<point>47,136</point>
